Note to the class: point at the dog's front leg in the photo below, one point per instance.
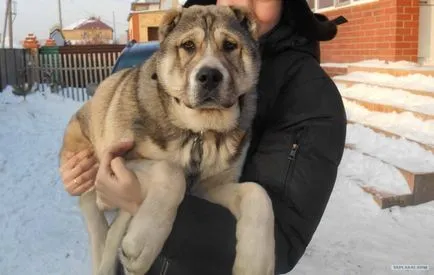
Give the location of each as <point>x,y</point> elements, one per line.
<point>164,187</point>
<point>251,206</point>
<point>97,226</point>
<point>114,238</point>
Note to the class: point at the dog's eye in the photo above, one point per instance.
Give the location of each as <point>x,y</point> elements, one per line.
<point>229,46</point>
<point>188,46</point>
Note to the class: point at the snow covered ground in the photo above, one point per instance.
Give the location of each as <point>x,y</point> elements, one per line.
<point>394,97</point>
<point>41,230</point>
<point>413,82</point>
<point>377,63</point>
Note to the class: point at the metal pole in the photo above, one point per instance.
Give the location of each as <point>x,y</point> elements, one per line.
<point>11,29</point>
<point>6,23</point>
<point>114,28</point>
<point>60,14</point>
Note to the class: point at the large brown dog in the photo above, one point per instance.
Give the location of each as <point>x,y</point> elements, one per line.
<point>189,109</point>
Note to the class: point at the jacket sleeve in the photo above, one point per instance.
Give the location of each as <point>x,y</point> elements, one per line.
<point>297,156</point>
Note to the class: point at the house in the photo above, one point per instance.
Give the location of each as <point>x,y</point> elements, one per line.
<point>391,30</point>
<point>88,31</point>
<point>145,17</point>
<point>57,35</point>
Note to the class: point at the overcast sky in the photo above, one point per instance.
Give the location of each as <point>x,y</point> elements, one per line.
<point>38,16</point>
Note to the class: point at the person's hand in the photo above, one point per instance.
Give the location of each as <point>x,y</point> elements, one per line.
<point>117,186</point>
<point>79,171</point>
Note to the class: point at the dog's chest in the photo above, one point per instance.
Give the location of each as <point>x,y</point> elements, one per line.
<point>201,155</point>
<point>206,155</point>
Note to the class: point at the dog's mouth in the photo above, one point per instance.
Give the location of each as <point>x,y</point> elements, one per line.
<point>207,104</point>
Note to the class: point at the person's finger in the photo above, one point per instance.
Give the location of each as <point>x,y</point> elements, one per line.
<point>81,188</point>
<point>69,154</point>
<point>83,166</point>
<point>72,162</point>
<point>89,174</point>
<point>115,150</point>
<point>78,179</point>
<point>121,172</point>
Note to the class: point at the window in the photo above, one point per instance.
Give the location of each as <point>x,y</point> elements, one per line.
<point>325,4</point>
<point>152,33</point>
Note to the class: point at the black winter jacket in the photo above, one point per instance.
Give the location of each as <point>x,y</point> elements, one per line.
<point>298,141</point>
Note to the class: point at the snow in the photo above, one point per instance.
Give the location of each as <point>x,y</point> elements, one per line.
<point>392,97</point>
<point>404,124</point>
<point>77,24</point>
<point>417,82</point>
<point>335,65</point>
<point>369,171</point>
<point>42,231</point>
<point>377,63</point>
<point>399,152</point>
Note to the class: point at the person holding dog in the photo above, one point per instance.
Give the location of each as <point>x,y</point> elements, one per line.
<point>297,145</point>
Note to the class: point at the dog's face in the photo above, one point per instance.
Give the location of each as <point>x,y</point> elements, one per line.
<point>209,56</point>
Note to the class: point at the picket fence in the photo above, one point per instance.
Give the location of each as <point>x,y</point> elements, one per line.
<point>68,71</point>
<point>70,74</point>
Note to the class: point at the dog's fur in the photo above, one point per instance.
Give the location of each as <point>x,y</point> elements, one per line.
<point>182,128</point>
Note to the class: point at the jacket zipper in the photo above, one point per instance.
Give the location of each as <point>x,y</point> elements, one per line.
<point>291,159</point>
<point>165,266</point>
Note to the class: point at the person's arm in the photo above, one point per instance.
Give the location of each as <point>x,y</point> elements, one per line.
<point>298,155</point>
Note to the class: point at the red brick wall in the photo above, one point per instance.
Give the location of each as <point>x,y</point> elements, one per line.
<point>384,29</point>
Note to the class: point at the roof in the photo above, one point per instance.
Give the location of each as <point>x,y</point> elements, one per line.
<point>145,11</point>
<point>89,23</point>
<point>147,1</point>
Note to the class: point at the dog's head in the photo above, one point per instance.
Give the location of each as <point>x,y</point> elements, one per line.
<point>208,56</point>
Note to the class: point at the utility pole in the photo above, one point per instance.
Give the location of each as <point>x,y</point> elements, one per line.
<point>6,23</point>
<point>11,29</point>
<point>114,28</point>
<point>60,14</point>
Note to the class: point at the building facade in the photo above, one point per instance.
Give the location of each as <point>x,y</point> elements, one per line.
<point>145,17</point>
<point>391,30</point>
<point>88,31</point>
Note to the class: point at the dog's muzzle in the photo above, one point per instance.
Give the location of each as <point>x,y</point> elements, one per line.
<point>208,81</point>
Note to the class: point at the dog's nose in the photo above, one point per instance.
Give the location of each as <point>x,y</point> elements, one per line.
<point>209,78</point>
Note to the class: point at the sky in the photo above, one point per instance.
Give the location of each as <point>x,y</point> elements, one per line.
<point>38,16</point>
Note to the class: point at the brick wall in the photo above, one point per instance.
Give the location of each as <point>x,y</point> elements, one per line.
<point>384,29</point>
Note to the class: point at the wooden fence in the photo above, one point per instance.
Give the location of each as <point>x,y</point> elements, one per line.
<point>12,62</point>
<point>71,73</point>
<point>68,70</point>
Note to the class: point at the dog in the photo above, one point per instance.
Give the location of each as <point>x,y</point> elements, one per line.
<point>189,109</point>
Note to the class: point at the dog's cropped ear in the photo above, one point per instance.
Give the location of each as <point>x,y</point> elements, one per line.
<point>247,20</point>
<point>168,23</point>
